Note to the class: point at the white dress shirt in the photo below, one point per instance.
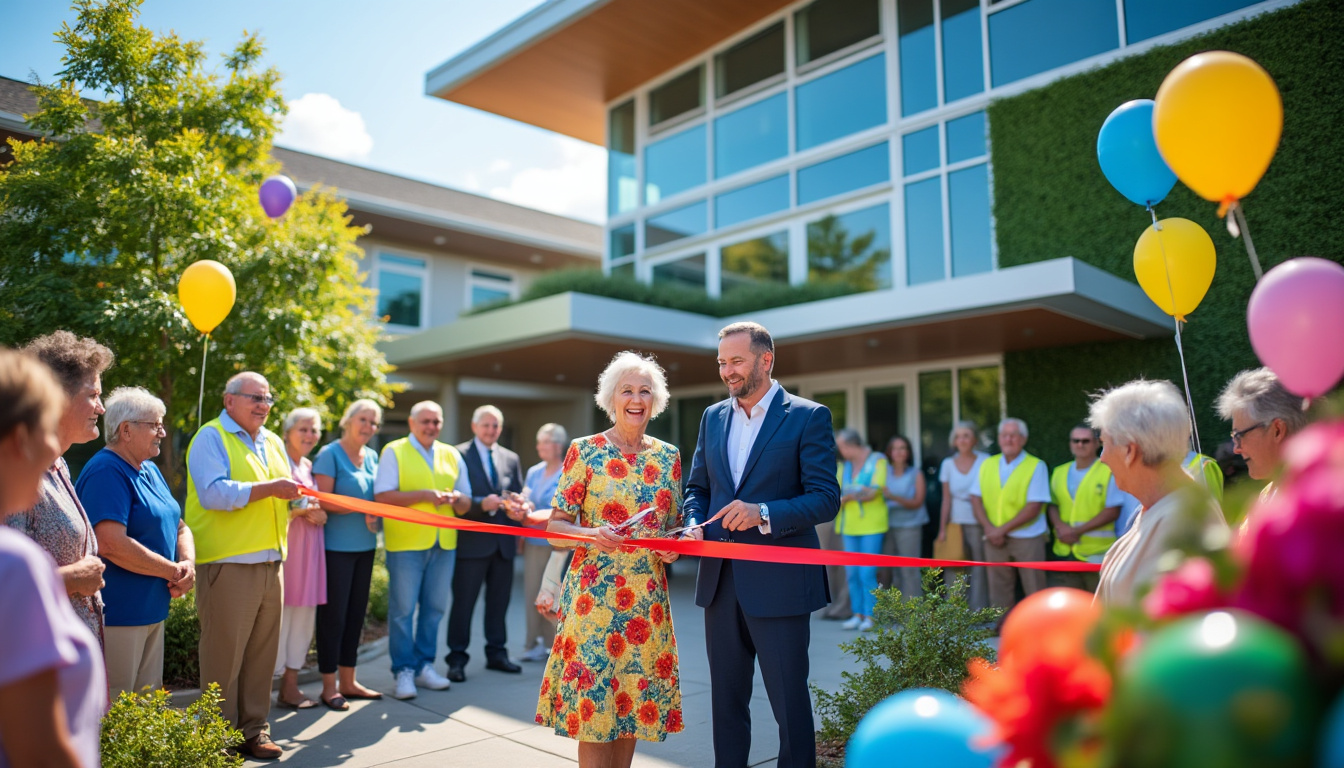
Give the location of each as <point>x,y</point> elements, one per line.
<point>743,428</point>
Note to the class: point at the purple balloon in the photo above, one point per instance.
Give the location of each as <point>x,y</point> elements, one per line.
<point>277,194</point>
<point>1296,320</point>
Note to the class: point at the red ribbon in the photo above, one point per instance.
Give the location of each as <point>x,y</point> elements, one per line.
<point>723,549</point>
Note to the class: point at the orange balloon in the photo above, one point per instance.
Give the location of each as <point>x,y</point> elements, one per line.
<point>1056,620</point>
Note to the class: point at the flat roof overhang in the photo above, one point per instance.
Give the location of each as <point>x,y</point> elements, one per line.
<point>567,339</point>
<point>557,66</point>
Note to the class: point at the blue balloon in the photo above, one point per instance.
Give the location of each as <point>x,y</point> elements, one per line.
<point>1128,154</point>
<point>1331,751</point>
<point>922,728</point>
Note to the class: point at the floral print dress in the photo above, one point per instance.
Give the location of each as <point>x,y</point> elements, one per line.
<point>613,670</point>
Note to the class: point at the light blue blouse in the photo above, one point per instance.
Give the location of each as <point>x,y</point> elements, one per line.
<point>904,486</point>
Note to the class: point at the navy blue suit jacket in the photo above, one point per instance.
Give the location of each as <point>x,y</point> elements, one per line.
<point>791,469</point>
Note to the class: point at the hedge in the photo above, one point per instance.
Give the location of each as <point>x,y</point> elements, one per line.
<point>1051,200</point>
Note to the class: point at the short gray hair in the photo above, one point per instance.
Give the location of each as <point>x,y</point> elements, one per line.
<point>1262,398</point>
<point>1148,414</point>
<point>297,415</point>
<point>960,425</point>
<point>554,433</point>
<point>849,436</point>
<point>129,404</point>
<point>234,385</point>
<point>357,407</point>
<point>487,410</point>
<point>1020,424</point>
<point>622,365</point>
<point>425,405</point>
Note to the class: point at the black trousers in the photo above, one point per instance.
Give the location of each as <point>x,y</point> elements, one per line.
<point>495,572</point>
<point>340,621</point>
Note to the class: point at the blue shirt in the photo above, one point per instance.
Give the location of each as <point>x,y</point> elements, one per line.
<point>111,489</point>
<point>348,533</point>
<point>540,490</point>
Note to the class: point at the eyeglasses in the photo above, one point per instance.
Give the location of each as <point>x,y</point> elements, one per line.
<point>269,400</point>
<point>157,426</point>
<point>1237,434</point>
<point>1080,441</point>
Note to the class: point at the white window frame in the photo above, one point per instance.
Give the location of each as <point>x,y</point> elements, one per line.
<point>471,281</point>
<point>422,272</point>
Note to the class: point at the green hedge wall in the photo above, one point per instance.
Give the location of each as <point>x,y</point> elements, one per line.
<point>1051,200</point>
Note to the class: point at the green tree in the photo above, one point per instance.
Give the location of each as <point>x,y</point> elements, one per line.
<point>98,222</point>
<point>834,256</point>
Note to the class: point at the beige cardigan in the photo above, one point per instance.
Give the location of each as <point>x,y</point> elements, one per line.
<point>1131,563</point>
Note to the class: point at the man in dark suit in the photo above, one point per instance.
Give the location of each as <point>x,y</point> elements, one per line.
<point>485,558</point>
<point>763,473</point>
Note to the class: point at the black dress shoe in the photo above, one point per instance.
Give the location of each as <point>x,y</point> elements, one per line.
<point>457,674</point>
<point>503,665</point>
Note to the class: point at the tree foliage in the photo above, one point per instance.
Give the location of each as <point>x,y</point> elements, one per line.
<point>98,222</point>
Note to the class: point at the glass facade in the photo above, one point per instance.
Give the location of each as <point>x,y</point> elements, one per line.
<point>843,102</point>
<point>688,272</point>
<point>1150,18</point>
<point>399,297</point>
<point>921,151</point>
<point>759,57</point>
<point>682,94</point>
<point>968,206</point>
<point>622,242</point>
<point>752,201</point>
<point>1039,35</point>
<point>924,261</point>
<point>845,173</point>
<point>758,261</point>
<point>752,135</point>
<point>622,178</point>
<point>688,221</point>
<point>853,249</point>
<point>963,58</point>
<point>919,74</point>
<point>674,164</point>
<point>827,26</point>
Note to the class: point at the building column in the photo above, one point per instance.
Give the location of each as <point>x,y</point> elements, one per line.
<point>450,402</point>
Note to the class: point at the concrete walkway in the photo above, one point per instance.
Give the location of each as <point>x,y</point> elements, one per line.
<point>488,720</point>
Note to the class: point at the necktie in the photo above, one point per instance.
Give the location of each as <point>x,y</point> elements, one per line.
<point>490,465</point>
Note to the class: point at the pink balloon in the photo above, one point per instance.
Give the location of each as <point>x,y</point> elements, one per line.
<point>1296,320</point>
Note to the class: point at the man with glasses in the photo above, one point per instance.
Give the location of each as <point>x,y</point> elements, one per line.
<point>1007,498</point>
<point>1084,505</point>
<point>238,489</point>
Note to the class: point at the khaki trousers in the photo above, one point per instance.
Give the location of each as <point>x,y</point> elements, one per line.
<point>535,558</point>
<point>1003,581</point>
<point>1084,581</point>
<point>240,608</point>
<point>134,657</point>
<point>835,574</point>
<point>973,537</point>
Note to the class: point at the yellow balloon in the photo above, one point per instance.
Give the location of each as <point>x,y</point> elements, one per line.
<point>1175,265</point>
<point>1217,122</point>
<point>207,291</point>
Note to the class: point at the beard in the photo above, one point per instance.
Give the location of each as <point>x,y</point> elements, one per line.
<point>752,383</point>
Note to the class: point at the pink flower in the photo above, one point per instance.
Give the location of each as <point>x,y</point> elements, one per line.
<point>1190,588</point>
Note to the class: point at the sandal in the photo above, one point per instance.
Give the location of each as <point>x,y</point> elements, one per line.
<point>370,696</point>
<point>307,703</point>
<point>337,703</point>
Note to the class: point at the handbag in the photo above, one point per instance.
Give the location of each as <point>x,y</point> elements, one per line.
<point>953,547</point>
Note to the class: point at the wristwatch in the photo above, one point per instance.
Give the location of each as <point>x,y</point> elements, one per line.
<point>765,514</point>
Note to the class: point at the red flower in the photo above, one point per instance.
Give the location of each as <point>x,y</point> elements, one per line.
<point>625,599</point>
<point>656,613</point>
<point>570,650</point>
<point>574,494</point>
<point>637,630</point>
<point>650,585</point>
<point>580,554</point>
<point>616,684</point>
<point>673,721</point>
<point>589,577</point>
<point>676,469</point>
<point>648,713</point>
<point>545,685</point>
<point>617,469</point>
<point>571,458</point>
<point>584,604</point>
<point>663,500</point>
<point>586,680</point>
<point>587,709</point>
<point>615,513</point>
<point>665,666</point>
<point>572,724</point>
<point>539,720</point>
<point>600,440</point>
<point>615,645</point>
<point>624,704</point>
<point>620,580</point>
<point>643,683</point>
<point>558,644</point>
<point>651,473</point>
<point>572,671</point>
<point>557,703</point>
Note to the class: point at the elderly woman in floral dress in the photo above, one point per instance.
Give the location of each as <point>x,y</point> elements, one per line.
<point>612,676</point>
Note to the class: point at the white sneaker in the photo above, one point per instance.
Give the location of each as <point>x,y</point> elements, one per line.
<point>430,679</point>
<point>853,623</point>
<point>539,652</point>
<point>865,625</point>
<point>405,685</point>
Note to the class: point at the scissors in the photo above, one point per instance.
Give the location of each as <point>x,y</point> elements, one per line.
<point>686,528</point>
<point>629,523</point>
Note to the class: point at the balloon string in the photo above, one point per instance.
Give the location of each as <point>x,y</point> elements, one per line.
<point>1246,237</point>
<point>1180,348</point>
<point>200,402</point>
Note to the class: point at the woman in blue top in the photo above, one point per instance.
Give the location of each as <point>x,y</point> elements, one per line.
<point>346,467</point>
<point>147,547</point>
<point>538,491</point>
<point>904,494</point>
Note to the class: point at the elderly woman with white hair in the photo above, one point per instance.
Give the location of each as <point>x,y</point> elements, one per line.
<point>142,538</point>
<point>538,492</point>
<point>612,675</point>
<point>1145,432</point>
<point>305,571</point>
<point>1264,414</point>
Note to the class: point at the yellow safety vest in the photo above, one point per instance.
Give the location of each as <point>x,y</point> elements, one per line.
<point>1004,500</point>
<point>868,517</point>
<point>1207,470</point>
<point>260,525</point>
<point>1076,510</point>
<point>413,474</point>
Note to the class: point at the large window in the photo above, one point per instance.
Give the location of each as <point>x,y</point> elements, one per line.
<point>1150,18</point>
<point>401,290</point>
<point>758,261</point>
<point>488,286</point>
<point>679,96</point>
<point>674,164</point>
<point>1039,35</point>
<point>827,26</point>
<point>622,184</point>
<point>852,249</point>
<point>688,272</point>
<point>688,221</point>
<point>963,64</point>
<point>842,102</point>
<point>756,59</point>
<point>752,135</point>
<point>947,234</point>
<point>752,201</point>
<point>846,173</point>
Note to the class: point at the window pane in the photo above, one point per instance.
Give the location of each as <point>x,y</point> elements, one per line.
<point>690,410</point>
<point>752,135</point>
<point>484,294</point>
<point>677,96</point>
<point>758,261</point>
<point>978,390</point>
<point>674,164</point>
<point>852,249</point>
<point>884,414</point>
<point>405,261</point>
<point>826,26</point>
<point>674,225</point>
<point>759,57</point>
<point>622,185</point>
<point>924,231</point>
<point>855,170</point>
<point>935,415</point>
<point>1150,18</point>
<point>491,277</point>
<point>622,242</point>
<point>751,201</point>
<point>966,137</point>
<point>920,151</point>
<point>624,271</point>
<point>689,272</point>
<point>968,200</point>
<point>1038,35</point>
<point>843,102</point>
<point>399,298</point>
<point>919,75</point>
<point>963,59</point>
<point>837,402</point>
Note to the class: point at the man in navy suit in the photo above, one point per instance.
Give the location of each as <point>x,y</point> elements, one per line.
<point>763,473</point>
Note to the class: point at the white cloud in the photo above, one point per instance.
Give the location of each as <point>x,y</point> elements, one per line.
<point>317,123</point>
<point>575,187</point>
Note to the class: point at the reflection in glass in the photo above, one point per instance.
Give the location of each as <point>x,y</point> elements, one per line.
<point>924,231</point>
<point>759,57</point>
<point>978,391</point>
<point>935,415</point>
<point>752,135</point>
<point>919,75</point>
<point>674,164</point>
<point>405,261</point>
<point>827,26</point>
<point>689,272</point>
<point>688,221</point>
<point>852,249</point>
<point>844,102</point>
<point>751,201</point>
<point>683,93</point>
<point>690,410</point>
<point>1039,35</point>
<point>856,170</point>
<point>622,185</point>
<point>920,151</point>
<point>484,294</point>
<point>759,261</point>
<point>968,202</point>
<point>1150,18</point>
<point>622,242</point>
<point>966,137</point>
<point>837,402</point>
<point>963,61</point>
<point>399,298</point>
<point>624,271</point>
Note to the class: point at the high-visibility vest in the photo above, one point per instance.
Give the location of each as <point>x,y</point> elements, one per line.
<point>868,517</point>
<point>413,474</point>
<point>1206,470</point>
<point>261,525</point>
<point>1004,500</point>
<point>1076,510</point>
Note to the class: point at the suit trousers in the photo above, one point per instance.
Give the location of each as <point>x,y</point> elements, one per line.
<point>973,537</point>
<point>835,574</point>
<point>239,607</point>
<point>1003,580</point>
<point>735,643</point>
<point>495,572</point>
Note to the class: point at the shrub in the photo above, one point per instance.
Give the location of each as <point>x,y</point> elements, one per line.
<point>924,642</point>
<point>378,588</point>
<point>181,641</point>
<point>142,730</point>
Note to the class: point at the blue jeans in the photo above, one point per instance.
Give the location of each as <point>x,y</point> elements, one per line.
<point>863,578</point>
<point>422,578</point>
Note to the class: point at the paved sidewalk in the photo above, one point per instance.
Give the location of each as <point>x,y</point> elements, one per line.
<point>488,720</point>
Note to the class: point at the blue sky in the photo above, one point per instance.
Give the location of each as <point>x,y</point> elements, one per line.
<point>354,77</point>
